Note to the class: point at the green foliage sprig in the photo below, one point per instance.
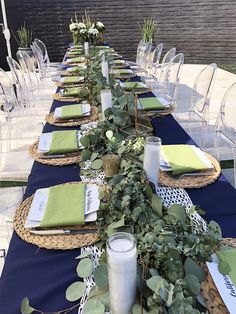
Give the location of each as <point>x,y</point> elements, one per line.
<point>24,37</point>
<point>149,30</point>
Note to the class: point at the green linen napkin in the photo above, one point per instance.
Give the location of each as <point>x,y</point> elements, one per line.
<point>182,159</point>
<point>65,206</point>
<point>75,92</point>
<point>75,60</point>
<point>71,80</point>
<point>73,54</point>
<point>229,256</point>
<point>63,142</point>
<point>124,71</point>
<point>151,103</point>
<point>71,111</point>
<point>132,85</point>
<point>118,62</point>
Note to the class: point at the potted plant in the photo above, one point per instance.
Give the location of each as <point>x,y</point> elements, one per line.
<point>24,40</point>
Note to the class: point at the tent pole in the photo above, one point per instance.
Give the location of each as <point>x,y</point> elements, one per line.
<point>6,30</point>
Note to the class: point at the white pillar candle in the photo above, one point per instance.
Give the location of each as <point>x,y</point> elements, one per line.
<point>106,99</point>
<point>122,272</point>
<point>105,69</point>
<point>86,48</point>
<point>151,161</point>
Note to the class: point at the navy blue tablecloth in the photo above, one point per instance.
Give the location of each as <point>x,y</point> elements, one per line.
<point>43,275</point>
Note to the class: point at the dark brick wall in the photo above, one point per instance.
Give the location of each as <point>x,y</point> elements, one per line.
<point>203,30</point>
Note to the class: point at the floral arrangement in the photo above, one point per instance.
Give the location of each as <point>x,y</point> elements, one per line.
<point>149,30</point>
<point>86,30</point>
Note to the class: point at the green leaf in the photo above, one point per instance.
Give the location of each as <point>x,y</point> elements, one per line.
<point>121,150</point>
<point>155,283</point>
<point>192,210</point>
<point>83,255</point>
<point>85,268</point>
<point>177,211</point>
<point>101,295</point>
<point>193,284</point>
<point>94,156</point>
<point>93,306</point>
<point>191,267</point>
<point>101,276</point>
<point>109,134</point>
<point>117,224</point>
<point>85,141</point>
<point>214,230</point>
<point>85,154</point>
<point>25,307</point>
<point>148,191</point>
<point>97,164</point>
<point>136,309</point>
<point>75,291</point>
<point>224,268</point>
<point>157,204</point>
<point>107,112</point>
<point>101,193</point>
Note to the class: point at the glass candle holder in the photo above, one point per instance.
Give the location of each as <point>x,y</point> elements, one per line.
<point>106,99</point>
<point>122,272</point>
<point>151,161</point>
<point>86,48</point>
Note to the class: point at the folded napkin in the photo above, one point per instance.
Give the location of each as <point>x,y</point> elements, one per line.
<point>229,256</point>
<point>75,92</point>
<point>71,111</point>
<point>63,142</point>
<point>132,85</point>
<point>125,71</point>
<point>151,103</point>
<point>182,159</point>
<point>72,79</point>
<point>119,61</point>
<point>77,46</point>
<point>75,60</point>
<point>65,206</point>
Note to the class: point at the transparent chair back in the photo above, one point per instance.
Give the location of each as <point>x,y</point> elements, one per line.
<point>143,53</point>
<point>172,76</point>
<point>226,121</point>
<point>202,88</point>
<point>154,58</point>
<point>9,99</point>
<point>138,50</point>
<point>43,48</point>
<point>164,64</point>
<point>39,58</point>
<point>28,64</point>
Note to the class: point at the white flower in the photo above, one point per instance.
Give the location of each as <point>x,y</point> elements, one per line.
<point>81,25</point>
<point>73,26</point>
<point>83,31</point>
<point>93,31</point>
<point>100,25</point>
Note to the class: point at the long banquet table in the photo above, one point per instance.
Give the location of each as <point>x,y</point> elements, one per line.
<point>43,275</point>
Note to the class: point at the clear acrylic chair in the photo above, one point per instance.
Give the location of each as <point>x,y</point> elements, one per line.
<point>154,58</point>
<point>168,88</point>
<point>18,78</point>
<point>44,50</point>
<point>160,69</point>
<point>219,140</point>
<point>197,114</point>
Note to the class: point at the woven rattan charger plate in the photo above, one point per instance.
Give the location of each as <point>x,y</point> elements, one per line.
<point>213,300</point>
<point>69,158</point>
<point>55,242</point>
<point>94,116</point>
<point>120,66</point>
<point>191,181</point>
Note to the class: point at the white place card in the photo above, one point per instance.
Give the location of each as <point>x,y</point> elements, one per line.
<point>224,285</point>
